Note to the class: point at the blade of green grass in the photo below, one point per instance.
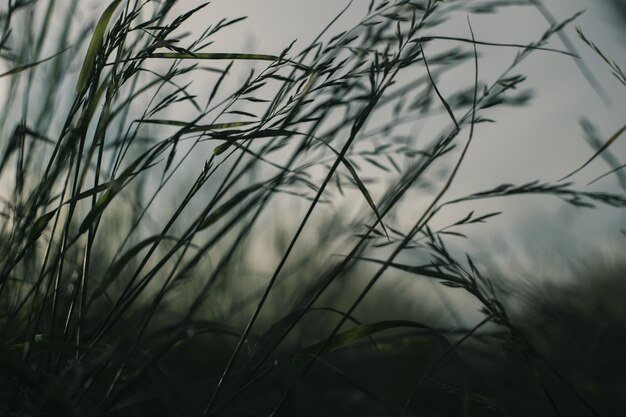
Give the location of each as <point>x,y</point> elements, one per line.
<point>226,56</point>
<point>31,65</point>
<point>94,46</point>
<point>608,143</point>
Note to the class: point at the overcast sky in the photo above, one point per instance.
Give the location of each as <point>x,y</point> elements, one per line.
<point>541,141</point>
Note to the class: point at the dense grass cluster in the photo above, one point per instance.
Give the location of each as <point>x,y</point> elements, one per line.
<point>174,241</point>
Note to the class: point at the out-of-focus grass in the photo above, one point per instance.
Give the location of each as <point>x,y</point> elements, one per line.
<point>171,250</point>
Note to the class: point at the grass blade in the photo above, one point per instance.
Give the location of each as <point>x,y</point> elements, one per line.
<point>94,46</point>
<point>341,340</point>
<point>598,152</point>
<point>31,65</point>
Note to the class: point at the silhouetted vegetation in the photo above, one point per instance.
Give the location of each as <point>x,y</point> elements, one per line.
<point>180,241</point>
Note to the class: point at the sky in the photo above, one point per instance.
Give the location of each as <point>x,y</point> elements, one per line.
<point>542,141</point>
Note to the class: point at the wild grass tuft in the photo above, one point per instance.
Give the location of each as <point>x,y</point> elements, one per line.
<point>175,240</point>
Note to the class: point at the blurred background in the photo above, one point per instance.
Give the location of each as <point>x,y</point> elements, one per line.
<point>559,269</point>
<point>543,141</point>
<point>536,239</point>
<point>540,141</point>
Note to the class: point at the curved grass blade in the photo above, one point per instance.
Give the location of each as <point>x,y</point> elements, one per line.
<point>31,65</point>
<point>441,98</point>
<point>365,193</point>
<point>344,339</point>
<point>229,205</point>
<point>195,128</point>
<point>40,225</point>
<point>227,56</point>
<point>421,270</point>
<point>598,152</point>
<point>94,45</point>
<point>115,186</point>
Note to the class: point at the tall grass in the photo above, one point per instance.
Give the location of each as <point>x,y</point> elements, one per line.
<point>171,248</point>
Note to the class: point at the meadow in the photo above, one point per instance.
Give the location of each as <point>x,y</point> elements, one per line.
<point>189,231</point>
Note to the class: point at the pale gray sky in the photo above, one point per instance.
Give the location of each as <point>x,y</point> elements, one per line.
<point>542,141</point>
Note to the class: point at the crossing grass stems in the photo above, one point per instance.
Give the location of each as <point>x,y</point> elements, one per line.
<point>129,288</point>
